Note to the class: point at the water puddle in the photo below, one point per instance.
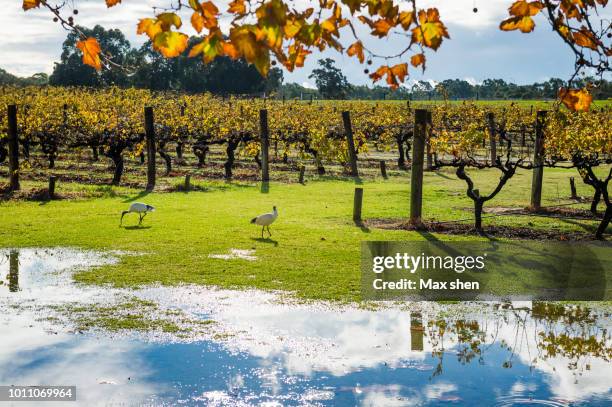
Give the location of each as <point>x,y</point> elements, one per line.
<point>236,254</point>
<point>203,346</point>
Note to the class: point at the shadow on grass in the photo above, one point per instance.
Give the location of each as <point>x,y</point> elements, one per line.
<point>266,240</point>
<point>135,227</point>
<point>265,187</point>
<point>136,197</point>
<point>441,175</point>
<point>362,226</point>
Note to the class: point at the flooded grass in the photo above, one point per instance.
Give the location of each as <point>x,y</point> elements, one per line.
<point>197,345</point>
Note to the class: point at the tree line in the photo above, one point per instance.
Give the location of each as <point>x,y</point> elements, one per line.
<point>147,69</point>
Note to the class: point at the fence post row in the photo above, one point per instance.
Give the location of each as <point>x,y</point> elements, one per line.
<point>348,130</point>
<point>151,150</point>
<point>416,178</point>
<point>538,161</point>
<point>265,145</point>
<point>492,138</point>
<point>13,147</point>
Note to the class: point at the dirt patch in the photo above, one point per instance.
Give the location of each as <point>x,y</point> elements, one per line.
<point>508,232</point>
<point>555,212</point>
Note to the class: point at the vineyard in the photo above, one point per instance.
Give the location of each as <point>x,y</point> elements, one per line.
<point>100,137</point>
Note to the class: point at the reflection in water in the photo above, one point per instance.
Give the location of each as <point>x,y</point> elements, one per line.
<point>281,352</point>
<point>13,276</point>
<point>416,331</point>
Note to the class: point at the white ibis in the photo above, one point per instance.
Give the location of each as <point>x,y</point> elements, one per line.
<point>265,221</point>
<point>140,208</point>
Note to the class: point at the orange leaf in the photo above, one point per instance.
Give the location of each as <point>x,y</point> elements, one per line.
<point>356,49</point>
<point>585,38</point>
<point>28,4</point>
<point>111,3</point>
<point>381,27</point>
<point>237,7</point>
<point>197,21</point>
<point>400,71</point>
<point>418,59</point>
<point>576,99</point>
<point>522,8</point>
<point>525,24</point>
<point>91,52</point>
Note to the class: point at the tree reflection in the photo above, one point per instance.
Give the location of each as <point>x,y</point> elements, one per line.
<point>571,332</point>
<point>13,276</point>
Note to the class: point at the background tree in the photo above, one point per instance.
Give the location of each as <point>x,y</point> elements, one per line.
<point>70,71</point>
<point>331,82</point>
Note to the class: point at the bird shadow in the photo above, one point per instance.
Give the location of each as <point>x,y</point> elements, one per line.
<point>135,227</point>
<point>136,197</point>
<point>266,240</point>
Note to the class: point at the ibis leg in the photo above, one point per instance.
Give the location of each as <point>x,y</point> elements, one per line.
<point>269,233</point>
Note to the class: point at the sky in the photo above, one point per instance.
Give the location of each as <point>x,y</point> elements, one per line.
<point>477,49</point>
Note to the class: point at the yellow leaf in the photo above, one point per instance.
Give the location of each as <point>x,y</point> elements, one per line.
<point>406,18</point>
<point>111,3</point>
<point>170,43</point>
<point>356,49</point>
<point>149,26</point>
<point>525,24</point>
<point>91,52</point>
<point>167,20</point>
<point>292,28</point>
<point>29,4</point>
<point>576,99</point>
<point>418,59</point>
<point>431,30</point>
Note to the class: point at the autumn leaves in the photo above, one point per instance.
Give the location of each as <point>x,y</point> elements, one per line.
<point>267,32</point>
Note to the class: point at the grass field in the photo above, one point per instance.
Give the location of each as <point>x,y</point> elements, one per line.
<point>315,247</point>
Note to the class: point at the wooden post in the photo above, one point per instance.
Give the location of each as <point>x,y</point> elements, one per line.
<point>51,189</point>
<point>348,131</point>
<point>573,188</point>
<point>265,144</point>
<point>151,151</point>
<point>383,169</point>
<point>357,204</point>
<point>187,186</point>
<point>428,144</point>
<point>538,162</point>
<point>302,170</point>
<point>416,177</point>
<point>492,138</point>
<point>13,147</point>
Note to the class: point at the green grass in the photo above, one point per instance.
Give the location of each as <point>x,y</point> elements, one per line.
<point>315,247</point>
